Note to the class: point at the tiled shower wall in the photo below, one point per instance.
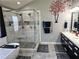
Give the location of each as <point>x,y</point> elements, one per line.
<point>30,33</point>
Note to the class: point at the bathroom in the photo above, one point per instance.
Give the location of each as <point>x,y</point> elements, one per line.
<point>38,30</point>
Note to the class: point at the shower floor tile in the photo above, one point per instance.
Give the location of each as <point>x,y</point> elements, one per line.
<point>27,45</point>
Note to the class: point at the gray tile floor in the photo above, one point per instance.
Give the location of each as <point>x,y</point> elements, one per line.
<point>62,56</point>
<point>50,55</point>
<point>54,53</point>
<point>60,52</point>
<point>59,48</point>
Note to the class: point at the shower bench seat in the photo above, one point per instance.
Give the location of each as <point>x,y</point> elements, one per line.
<point>28,51</point>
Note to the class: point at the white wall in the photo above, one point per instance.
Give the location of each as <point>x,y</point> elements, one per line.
<point>27,33</point>
<point>43,6</point>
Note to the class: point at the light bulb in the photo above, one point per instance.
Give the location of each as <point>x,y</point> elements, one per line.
<point>18,2</point>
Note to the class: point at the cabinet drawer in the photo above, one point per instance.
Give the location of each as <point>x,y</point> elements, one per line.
<point>65,49</point>
<point>62,39</point>
<point>62,35</point>
<point>66,42</point>
<point>66,39</point>
<point>75,48</point>
<point>70,43</point>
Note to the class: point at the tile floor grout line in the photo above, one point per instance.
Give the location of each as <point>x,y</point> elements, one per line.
<point>53,54</point>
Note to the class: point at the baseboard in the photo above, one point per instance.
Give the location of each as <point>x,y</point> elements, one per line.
<point>50,42</point>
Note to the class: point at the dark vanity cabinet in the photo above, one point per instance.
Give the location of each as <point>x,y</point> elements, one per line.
<point>70,47</point>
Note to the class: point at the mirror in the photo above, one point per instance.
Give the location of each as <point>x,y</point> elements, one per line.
<point>74,21</point>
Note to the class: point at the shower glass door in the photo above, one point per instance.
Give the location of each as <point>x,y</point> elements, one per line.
<point>28,28</point>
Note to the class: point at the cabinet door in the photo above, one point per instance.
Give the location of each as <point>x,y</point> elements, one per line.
<point>70,47</point>
<point>76,52</point>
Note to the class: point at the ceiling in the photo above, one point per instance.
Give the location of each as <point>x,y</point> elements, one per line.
<point>12,4</point>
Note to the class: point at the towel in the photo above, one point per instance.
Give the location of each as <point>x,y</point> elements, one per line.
<point>65,25</point>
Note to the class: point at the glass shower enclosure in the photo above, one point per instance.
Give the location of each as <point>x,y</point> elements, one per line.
<point>26,31</point>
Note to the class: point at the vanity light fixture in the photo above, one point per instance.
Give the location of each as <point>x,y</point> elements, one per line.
<point>18,2</point>
<point>76,9</point>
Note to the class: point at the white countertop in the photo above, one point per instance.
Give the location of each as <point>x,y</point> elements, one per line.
<point>72,37</point>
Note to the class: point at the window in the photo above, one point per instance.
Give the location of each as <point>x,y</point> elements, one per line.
<point>15,22</point>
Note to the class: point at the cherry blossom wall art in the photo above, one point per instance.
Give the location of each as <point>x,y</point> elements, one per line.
<point>57,7</point>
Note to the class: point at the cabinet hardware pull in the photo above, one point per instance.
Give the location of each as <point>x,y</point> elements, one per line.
<point>70,47</point>
<point>76,48</point>
<point>75,53</point>
<point>65,49</point>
